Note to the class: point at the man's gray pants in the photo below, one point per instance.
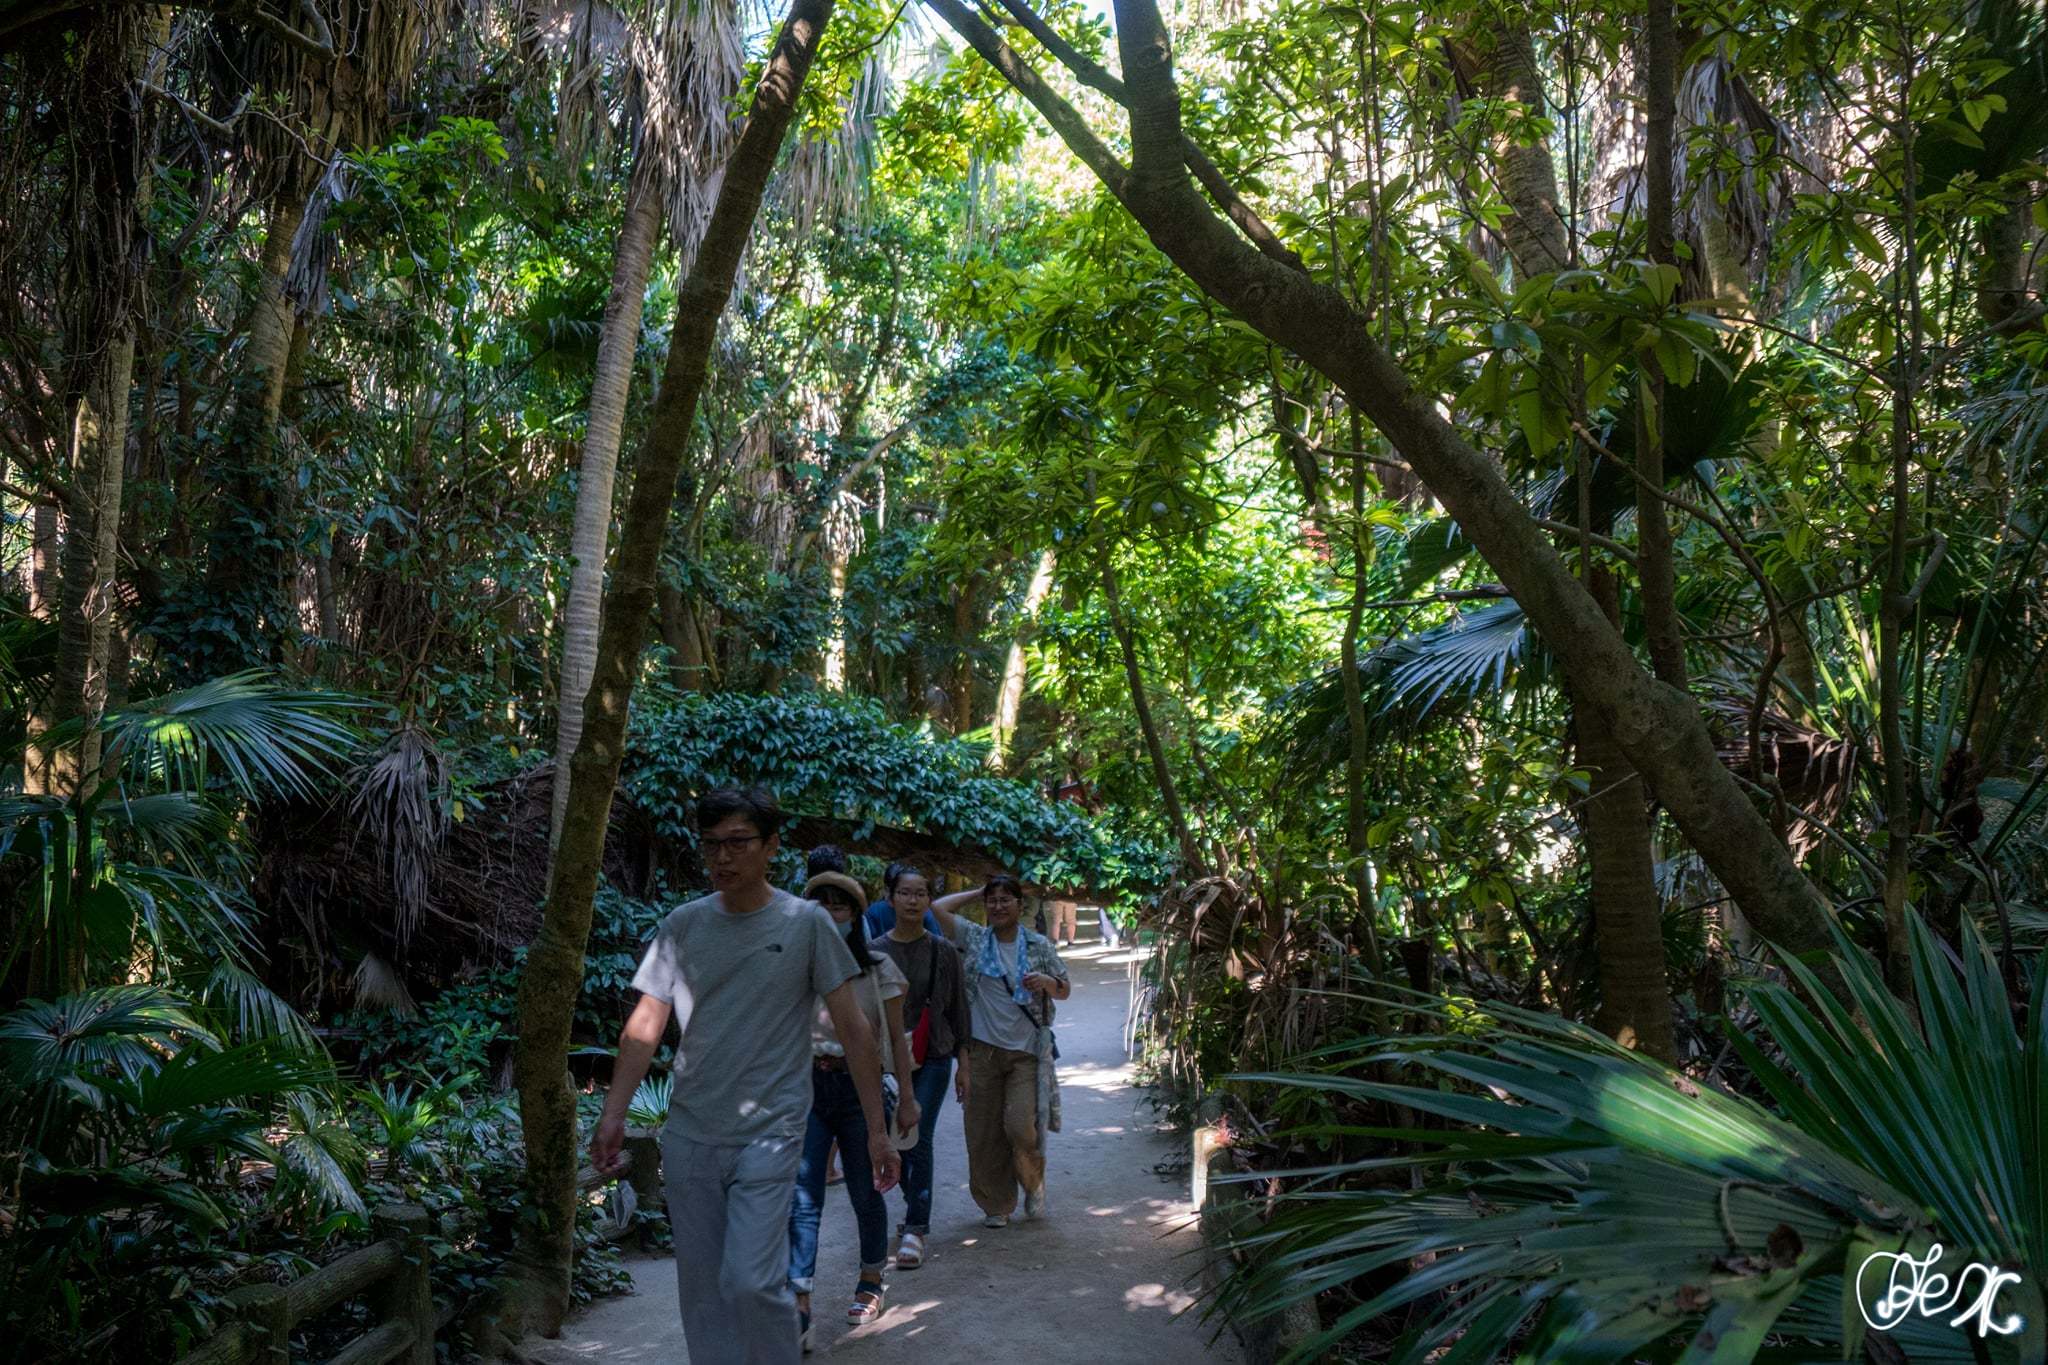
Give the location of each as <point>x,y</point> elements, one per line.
<point>729,1210</point>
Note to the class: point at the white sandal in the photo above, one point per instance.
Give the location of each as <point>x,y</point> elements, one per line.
<point>910,1252</point>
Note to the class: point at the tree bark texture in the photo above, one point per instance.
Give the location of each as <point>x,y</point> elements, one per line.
<point>553,974</point>
<point>1010,694</point>
<point>1628,931</point>
<point>1534,229</point>
<point>249,567</point>
<point>618,339</point>
<point>1657,727</point>
<point>1654,559</point>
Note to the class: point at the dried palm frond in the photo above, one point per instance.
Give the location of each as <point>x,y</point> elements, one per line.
<point>826,176</point>
<point>401,802</point>
<point>378,986</point>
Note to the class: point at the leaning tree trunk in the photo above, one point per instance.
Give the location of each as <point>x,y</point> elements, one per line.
<point>617,340</point>
<point>1010,695</point>
<point>553,975</point>
<point>1659,728</point>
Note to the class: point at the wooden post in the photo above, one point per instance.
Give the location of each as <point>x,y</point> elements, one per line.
<point>263,1308</point>
<point>407,1295</point>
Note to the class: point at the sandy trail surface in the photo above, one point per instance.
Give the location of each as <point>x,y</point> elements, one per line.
<point>1107,1277</point>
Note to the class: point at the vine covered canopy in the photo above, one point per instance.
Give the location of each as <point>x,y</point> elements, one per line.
<point>843,762</point>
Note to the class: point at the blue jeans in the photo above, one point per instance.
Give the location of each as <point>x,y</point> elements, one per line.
<point>835,1115</point>
<point>929,1083</point>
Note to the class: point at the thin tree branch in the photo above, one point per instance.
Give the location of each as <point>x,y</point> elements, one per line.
<point>1092,74</point>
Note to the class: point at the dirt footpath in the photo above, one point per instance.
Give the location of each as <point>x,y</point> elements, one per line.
<point>1105,1278</point>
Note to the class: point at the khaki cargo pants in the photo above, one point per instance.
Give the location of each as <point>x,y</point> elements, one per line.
<point>1003,1152</point>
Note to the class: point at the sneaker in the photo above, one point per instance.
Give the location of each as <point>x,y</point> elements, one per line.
<point>910,1252</point>
<point>996,1220</point>
<point>1034,1203</point>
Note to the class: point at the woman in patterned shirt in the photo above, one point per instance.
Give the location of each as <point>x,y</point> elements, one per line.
<point>1013,978</point>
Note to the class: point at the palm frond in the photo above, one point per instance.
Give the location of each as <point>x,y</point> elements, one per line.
<point>262,736</point>
<point>319,1155</point>
<point>401,800</point>
<point>196,1077</point>
<point>127,1028</point>
<point>1623,1208</point>
<point>256,1012</point>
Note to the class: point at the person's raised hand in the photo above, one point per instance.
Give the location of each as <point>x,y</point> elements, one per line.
<point>886,1161</point>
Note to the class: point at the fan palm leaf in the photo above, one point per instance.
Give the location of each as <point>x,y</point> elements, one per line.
<point>1623,1209</point>
<point>263,737</point>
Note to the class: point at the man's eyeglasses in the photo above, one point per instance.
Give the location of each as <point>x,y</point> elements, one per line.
<point>713,847</point>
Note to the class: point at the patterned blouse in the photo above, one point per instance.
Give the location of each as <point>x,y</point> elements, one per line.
<point>1039,956</point>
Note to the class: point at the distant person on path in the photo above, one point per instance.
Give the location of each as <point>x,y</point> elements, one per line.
<point>936,1016</point>
<point>1013,976</point>
<point>1065,923</point>
<point>837,1114</point>
<point>742,970</point>
<point>882,914</point>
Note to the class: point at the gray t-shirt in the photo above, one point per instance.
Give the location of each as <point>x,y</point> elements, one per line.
<point>743,988</point>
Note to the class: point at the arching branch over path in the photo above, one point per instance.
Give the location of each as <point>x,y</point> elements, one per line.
<point>1657,726</point>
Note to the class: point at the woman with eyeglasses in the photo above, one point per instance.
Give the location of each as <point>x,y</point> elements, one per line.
<point>836,1114</point>
<point>1013,978</point>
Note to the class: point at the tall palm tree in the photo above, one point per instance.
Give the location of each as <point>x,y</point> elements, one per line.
<point>681,82</point>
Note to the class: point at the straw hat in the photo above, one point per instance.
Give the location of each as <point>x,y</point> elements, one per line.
<point>839,881</point>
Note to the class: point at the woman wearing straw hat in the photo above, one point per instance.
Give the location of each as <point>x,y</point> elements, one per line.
<point>836,1113</point>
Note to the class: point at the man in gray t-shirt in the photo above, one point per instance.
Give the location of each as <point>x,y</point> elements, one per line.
<point>741,971</point>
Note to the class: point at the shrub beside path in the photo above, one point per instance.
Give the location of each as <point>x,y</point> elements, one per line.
<point>1105,1278</point>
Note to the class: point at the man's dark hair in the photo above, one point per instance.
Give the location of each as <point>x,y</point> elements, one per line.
<point>824,858</point>
<point>1003,881</point>
<point>756,805</point>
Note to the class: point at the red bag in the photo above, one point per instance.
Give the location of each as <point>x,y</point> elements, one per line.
<point>921,1036</point>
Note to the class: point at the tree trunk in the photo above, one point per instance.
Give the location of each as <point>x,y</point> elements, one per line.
<point>835,636</point>
<point>1654,563</point>
<point>1357,846</point>
<point>1010,696</point>
<point>1628,931</point>
<point>1155,748</point>
<point>617,340</point>
<point>249,569</point>
<point>1534,229</point>
<point>552,976</point>
<point>108,206</point>
<point>43,571</point>
<point>1657,727</point>
<point>685,641</point>
<point>962,699</point>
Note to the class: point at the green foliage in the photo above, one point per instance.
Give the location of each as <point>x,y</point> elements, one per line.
<point>1591,1202</point>
<point>132,1120</point>
<point>845,759</point>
